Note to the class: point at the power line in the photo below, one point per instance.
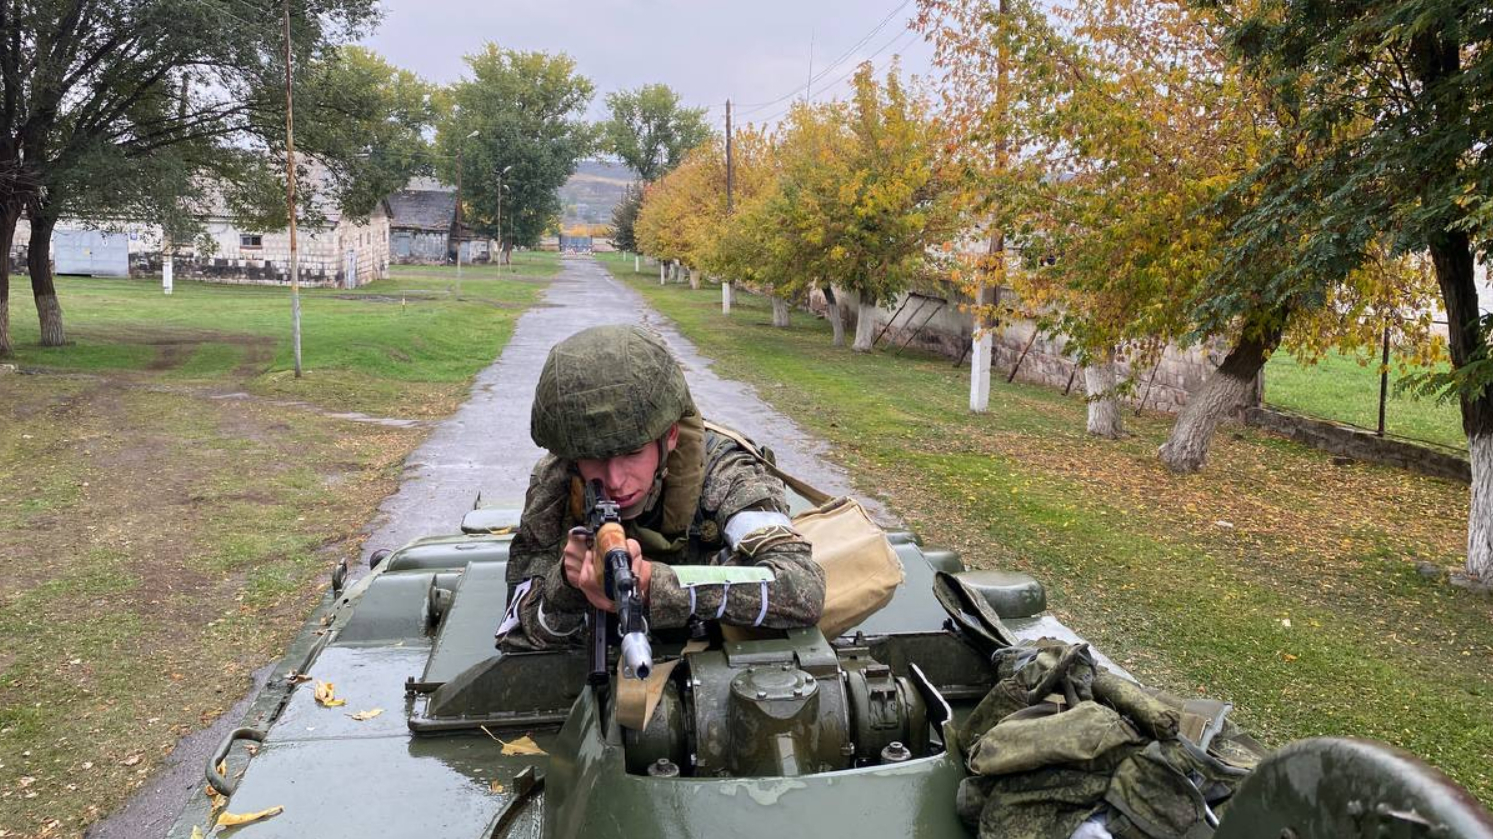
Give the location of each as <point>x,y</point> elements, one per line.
<point>757,106</point>
<point>834,84</point>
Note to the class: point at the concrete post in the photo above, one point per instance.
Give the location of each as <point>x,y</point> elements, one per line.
<point>726,297</point>
<point>663,273</point>
<point>166,274</point>
<point>637,267</point>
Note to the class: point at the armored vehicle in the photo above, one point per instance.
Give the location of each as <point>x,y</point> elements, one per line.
<point>781,736</point>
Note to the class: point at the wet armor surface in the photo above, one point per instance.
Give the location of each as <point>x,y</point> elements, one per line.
<point>1060,741</point>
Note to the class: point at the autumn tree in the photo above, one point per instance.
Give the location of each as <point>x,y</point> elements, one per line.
<point>1389,140</point>
<point>1135,132</point>
<point>746,247</point>
<point>650,131</point>
<point>515,125</point>
<point>782,237</point>
<point>864,194</point>
<point>683,208</point>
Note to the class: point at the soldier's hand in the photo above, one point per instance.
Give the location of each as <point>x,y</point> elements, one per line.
<point>585,578</point>
<point>577,554</point>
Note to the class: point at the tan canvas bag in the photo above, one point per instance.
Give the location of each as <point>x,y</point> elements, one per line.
<point>861,569</point>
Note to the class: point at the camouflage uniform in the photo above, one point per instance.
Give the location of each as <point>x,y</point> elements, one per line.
<point>716,526</point>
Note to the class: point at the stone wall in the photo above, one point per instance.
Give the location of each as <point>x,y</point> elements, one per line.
<point>322,253</point>
<point>937,324</point>
<point>1360,444</point>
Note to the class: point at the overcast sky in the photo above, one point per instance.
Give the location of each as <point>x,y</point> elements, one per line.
<point>757,53</point>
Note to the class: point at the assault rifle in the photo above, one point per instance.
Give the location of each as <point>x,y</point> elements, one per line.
<point>614,567</point>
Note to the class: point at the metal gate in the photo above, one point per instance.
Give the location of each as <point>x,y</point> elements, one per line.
<point>94,252</point>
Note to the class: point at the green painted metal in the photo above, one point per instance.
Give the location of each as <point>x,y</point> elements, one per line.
<point>764,763</point>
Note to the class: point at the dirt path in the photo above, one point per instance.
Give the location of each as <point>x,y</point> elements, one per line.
<point>484,448</point>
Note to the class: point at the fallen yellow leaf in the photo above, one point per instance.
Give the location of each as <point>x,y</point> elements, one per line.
<point>524,745</point>
<point>366,715</point>
<point>496,787</point>
<point>325,695</point>
<point>196,832</point>
<point>231,819</point>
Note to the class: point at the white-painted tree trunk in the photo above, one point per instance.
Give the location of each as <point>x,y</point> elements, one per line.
<point>167,278</point>
<point>979,371</point>
<point>779,311</point>
<point>726,297</point>
<point>865,326</point>
<point>694,279</point>
<point>637,264</point>
<point>836,315</point>
<point>663,273</point>
<point>1105,417</point>
<point>1480,516</point>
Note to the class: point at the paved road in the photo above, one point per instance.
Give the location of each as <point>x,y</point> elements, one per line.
<point>485,448</point>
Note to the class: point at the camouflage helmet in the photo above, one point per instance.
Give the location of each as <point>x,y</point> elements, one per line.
<point>605,391</point>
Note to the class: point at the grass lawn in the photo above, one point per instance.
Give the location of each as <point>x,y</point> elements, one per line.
<point>404,346</point>
<point>161,541</point>
<point>1273,579</point>
<point>1339,388</point>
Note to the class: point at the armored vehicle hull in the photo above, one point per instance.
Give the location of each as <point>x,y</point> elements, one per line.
<point>789,735</point>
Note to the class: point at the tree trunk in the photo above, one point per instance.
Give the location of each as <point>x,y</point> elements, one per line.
<point>836,316</point>
<point>1229,388</point>
<point>779,311</point>
<point>1105,418</point>
<point>39,261</point>
<point>865,326</point>
<point>8,218</point>
<point>1451,254</point>
<point>694,279</point>
<point>1480,516</point>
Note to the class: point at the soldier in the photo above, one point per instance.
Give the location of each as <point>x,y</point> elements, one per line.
<point>707,526</point>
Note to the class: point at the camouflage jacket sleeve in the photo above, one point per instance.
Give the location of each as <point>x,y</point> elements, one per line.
<point>766,576</point>
<point>544,610</point>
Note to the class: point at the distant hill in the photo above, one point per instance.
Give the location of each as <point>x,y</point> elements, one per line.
<point>592,192</point>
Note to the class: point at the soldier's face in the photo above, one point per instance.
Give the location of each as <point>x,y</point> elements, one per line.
<point>628,477</point>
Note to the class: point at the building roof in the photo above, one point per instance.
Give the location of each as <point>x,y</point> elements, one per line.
<point>422,209</point>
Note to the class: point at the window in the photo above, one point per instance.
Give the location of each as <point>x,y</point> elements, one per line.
<point>251,240</point>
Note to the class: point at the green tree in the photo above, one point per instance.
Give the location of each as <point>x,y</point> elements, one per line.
<point>368,126</point>
<point>625,217</point>
<point>649,131</point>
<point>515,125</point>
<point>128,109</point>
<point>1389,138</point>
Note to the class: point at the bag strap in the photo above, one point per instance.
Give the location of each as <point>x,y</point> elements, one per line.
<point>813,495</point>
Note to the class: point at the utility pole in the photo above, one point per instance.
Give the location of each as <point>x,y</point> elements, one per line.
<point>809,85</point>
<point>457,214</point>
<point>295,266</point>
<point>730,162</point>
<point>730,204</point>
